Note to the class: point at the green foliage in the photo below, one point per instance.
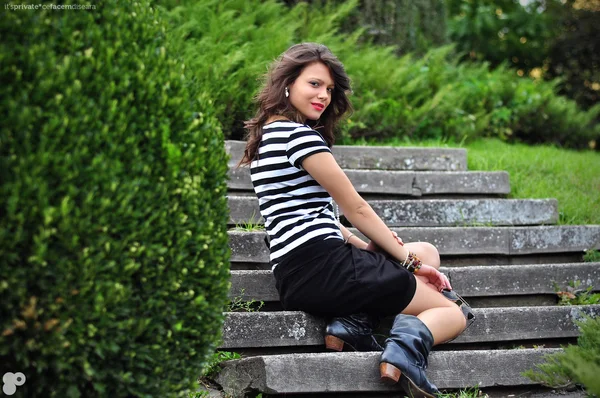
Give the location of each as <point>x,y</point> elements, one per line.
<point>549,38</point>
<point>574,295</point>
<point>574,55</point>
<point>238,304</point>
<point>435,97</point>
<point>591,256</point>
<point>213,366</point>
<point>471,392</point>
<point>410,26</point>
<point>113,241</point>
<point>227,45</point>
<point>499,31</point>
<point>578,364</point>
<point>251,225</point>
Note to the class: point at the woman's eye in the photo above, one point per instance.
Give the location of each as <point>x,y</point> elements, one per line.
<point>314,84</point>
<point>330,90</point>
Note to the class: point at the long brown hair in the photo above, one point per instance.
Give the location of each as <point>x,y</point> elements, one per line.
<point>272,101</point>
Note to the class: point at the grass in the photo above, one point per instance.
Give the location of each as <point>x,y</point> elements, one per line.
<point>472,392</point>
<point>536,172</point>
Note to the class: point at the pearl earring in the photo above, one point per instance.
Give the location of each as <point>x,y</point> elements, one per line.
<point>287,92</point>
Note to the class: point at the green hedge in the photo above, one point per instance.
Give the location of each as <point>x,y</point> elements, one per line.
<point>228,44</point>
<point>113,243</point>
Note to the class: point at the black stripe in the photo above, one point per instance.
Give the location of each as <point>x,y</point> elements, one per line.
<point>296,236</point>
<point>271,167</point>
<point>273,140</point>
<point>275,180</point>
<point>305,145</point>
<point>299,161</point>
<point>272,154</point>
<point>279,191</point>
<point>268,129</point>
<point>306,206</point>
<point>281,200</point>
<point>326,221</point>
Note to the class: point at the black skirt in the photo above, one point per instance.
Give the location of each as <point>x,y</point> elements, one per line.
<point>330,278</point>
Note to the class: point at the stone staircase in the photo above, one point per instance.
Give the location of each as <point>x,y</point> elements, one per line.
<point>504,256</point>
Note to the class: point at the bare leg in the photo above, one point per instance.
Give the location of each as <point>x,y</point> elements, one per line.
<point>443,318</point>
<point>428,253</point>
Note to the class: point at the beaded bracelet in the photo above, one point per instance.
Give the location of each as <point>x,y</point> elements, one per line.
<point>412,263</point>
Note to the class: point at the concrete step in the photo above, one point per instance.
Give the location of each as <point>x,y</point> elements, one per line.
<point>249,247</point>
<point>383,158</point>
<point>359,371</point>
<point>406,183</point>
<point>469,282</point>
<point>296,328</point>
<point>433,212</point>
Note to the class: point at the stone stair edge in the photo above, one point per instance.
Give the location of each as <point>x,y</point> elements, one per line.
<point>406,182</point>
<point>297,328</point>
<point>433,212</point>
<point>248,246</point>
<point>358,372</point>
<point>383,157</point>
<point>470,282</point>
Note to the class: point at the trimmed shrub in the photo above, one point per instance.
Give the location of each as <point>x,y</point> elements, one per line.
<point>113,242</point>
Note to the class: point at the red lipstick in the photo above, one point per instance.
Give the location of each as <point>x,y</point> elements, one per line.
<point>318,106</point>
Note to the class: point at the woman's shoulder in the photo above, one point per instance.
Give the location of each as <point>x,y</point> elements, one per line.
<point>284,124</point>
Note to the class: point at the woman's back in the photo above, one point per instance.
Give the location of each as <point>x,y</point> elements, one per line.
<point>295,207</point>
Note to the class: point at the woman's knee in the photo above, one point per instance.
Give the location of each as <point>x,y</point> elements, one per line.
<point>427,252</point>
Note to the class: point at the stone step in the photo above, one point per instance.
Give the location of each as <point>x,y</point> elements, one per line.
<point>359,371</point>
<point>249,247</point>
<point>433,212</point>
<point>406,183</point>
<point>473,281</point>
<point>382,158</point>
<point>296,328</point>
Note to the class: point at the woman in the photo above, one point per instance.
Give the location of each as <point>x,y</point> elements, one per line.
<point>320,267</point>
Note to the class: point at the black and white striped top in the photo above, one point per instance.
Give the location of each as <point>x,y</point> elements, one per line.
<point>296,209</point>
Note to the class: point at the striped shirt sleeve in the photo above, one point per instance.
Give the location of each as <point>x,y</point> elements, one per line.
<point>302,144</point>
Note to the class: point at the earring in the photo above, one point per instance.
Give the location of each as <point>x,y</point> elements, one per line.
<point>287,92</point>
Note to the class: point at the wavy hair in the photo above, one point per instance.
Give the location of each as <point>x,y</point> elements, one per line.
<point>272,101</point>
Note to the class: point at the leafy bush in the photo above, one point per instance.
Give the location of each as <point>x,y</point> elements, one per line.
<point>438,97</point>
<point>548,38</point>
<point>576,364</point>
<point>228,44</point>
<point>113,243</point>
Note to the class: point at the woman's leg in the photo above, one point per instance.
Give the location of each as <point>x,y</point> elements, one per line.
<point>428,253</point>
<point>444,318</point>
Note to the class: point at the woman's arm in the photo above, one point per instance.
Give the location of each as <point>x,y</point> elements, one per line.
<point>355,240</point>
<point>325,170</point>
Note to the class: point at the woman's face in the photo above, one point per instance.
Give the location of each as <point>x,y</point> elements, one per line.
<point>311,92</point>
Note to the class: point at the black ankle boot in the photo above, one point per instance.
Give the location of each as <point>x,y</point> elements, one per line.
<point>405,357</point>
<point>354,330</point>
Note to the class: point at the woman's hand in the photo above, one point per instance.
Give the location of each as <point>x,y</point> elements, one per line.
<point>434,277</point>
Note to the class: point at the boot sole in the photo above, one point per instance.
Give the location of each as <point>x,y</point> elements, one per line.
<point>412,389</point>
<point>390,374</point>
